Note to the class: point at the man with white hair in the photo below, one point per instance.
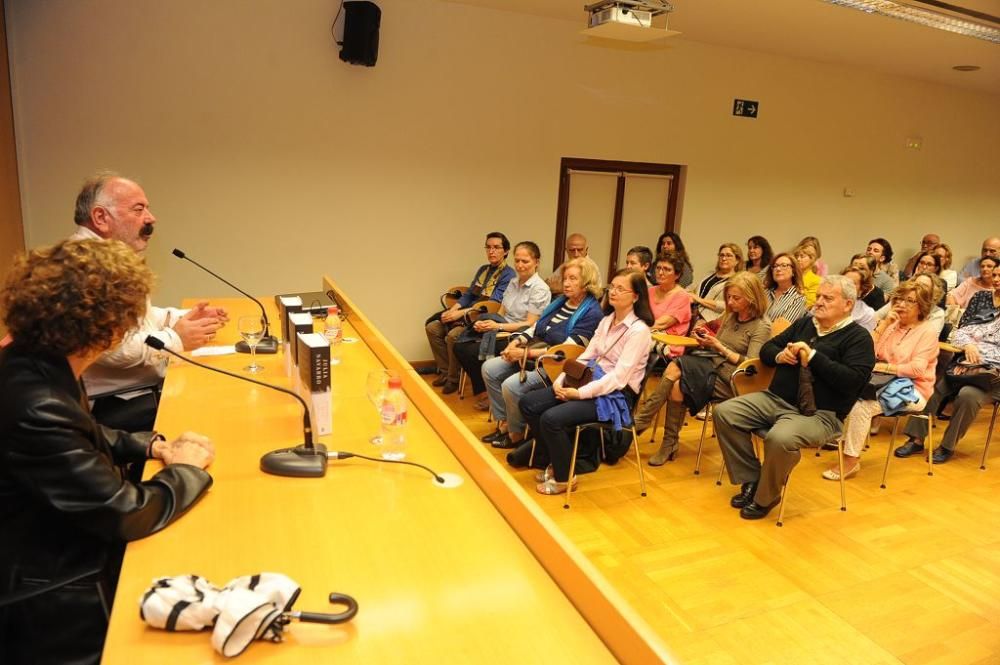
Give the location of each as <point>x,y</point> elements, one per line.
<point>576,248</point>
<point>111,207</point>
<point>840,356</point>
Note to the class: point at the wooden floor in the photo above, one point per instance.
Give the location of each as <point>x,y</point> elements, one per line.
<point>909,574</point>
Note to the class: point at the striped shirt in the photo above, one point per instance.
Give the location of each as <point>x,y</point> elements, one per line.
<point>791,305</point>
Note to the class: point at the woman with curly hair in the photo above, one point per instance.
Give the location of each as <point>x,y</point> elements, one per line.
<point>67,507</point>
<point>671,242</point>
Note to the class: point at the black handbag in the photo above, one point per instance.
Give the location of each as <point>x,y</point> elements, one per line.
<point>958,375</point>
<point>876,382</point>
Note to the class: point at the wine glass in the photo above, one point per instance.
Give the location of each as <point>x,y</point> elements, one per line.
<point>251,328</point>
<point>375,388</point>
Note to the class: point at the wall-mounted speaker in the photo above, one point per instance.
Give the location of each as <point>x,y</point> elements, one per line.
<point>361,24</point>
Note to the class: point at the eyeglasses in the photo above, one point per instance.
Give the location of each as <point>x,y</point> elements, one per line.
<point>665,269</point>
<point>782,265</point>
<point>905,301</point>
<point>619,289</point>
<point>493,248</point>
<point>723,255</point>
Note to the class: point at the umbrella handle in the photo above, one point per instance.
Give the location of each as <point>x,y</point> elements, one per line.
<point>323,617</point>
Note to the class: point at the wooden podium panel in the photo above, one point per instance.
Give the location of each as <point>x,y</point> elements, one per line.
<point>440,575</point>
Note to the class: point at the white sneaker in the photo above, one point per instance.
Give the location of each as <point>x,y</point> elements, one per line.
<point>701,415</point>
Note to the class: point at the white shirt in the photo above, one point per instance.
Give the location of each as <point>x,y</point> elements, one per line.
<point>132,363</point>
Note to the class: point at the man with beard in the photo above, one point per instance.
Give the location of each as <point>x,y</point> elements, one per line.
<point>111,207</point>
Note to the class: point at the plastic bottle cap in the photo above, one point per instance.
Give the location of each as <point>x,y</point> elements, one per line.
<point>332,311</point>
<point>395,382</point>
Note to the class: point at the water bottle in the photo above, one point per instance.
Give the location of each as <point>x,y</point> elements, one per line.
<point>393,414</point>
<point>334,333</point>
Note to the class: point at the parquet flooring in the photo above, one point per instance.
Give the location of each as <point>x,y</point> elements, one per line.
<point>909,574</point>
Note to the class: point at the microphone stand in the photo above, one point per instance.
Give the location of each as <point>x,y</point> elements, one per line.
<point>307,460</point>
<point>267,343</point>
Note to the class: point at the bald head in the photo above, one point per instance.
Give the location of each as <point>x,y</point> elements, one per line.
<point>115,208</point>
<point>991,247</point>
<point>929,242</point>
<point>576,246</point>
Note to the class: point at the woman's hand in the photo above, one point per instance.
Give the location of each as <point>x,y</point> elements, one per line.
<point>972,354</point>
<point>566,394</point>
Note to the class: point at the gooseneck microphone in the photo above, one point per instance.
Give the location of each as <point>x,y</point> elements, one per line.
<point>267,343</point>
<point>304,461</point>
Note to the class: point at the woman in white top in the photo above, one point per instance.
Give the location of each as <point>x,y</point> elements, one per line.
<point>708,298</point>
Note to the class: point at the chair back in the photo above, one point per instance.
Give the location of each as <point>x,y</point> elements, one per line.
<point>451,296</point>
<point>750,377</point>
<point>779,325</point>
<point>551,364</point>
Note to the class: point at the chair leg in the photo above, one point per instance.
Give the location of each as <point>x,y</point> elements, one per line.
<point>843,481</point>
<point>722,470</point>
<point>930,444</point>
<point>638,463</point>
<point>888,453</point>
<point>572,468</point>
<point>531,457</point>
<point>781,507</point>
<point>701,441</point>
<point>989,435</point>
<point>461,384</point>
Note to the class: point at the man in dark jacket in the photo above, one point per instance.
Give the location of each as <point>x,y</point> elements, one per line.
<point>840,356</point>
<point>66,506</point>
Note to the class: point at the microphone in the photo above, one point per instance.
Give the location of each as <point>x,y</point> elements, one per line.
<point>267,343</point>
<point>304,461</point>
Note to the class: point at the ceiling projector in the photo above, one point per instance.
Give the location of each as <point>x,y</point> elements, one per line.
<point>628,20</point>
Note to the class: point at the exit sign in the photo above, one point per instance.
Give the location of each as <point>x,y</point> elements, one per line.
<point>745,108</point>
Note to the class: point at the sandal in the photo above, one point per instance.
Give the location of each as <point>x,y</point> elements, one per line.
<point>542,476</point>
<point>551,486</point>
<point>834,474</point>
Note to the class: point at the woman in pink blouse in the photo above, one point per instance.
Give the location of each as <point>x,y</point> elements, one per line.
<point>669,301</point>
<point>906,345</point>
<point>617,353</point>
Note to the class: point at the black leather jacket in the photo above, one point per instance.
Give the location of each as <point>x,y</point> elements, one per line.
<point>66,509</point>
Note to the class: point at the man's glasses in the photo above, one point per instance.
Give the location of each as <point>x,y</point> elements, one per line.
<point>493,248</point>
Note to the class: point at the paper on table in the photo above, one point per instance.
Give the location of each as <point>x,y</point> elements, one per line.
<point>214,351</point>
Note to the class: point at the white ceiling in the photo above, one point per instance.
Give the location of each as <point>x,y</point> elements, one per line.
<point>815,30</point>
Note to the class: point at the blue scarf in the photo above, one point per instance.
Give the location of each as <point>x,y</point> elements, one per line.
<point>554,306</point>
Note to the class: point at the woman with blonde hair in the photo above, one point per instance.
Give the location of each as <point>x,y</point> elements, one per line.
<point>805,256</point>
<point>707,298</point>
<point>723,344</point>
<point>906,346</point>
<point>949,276</point>
<point>820,267</point>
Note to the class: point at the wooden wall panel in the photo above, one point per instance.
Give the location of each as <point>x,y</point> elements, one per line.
<point>11,229</point>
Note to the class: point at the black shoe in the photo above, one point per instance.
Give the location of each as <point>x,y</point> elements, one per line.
<point>942,455</point>
<point>909,449</point>
<point>745,497</point>
<point>492,436</point>
<point>829,446</point>
<point>440,381</point>
<point>450,388</point>
<point>519,458</point>
<point>505,442</point>
<point>755,511</point>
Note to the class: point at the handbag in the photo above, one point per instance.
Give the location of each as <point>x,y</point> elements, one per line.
<point>958,375</point>
<point>578,374</point>
<point>875,383</point>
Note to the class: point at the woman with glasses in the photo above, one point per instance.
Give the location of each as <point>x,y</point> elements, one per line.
<point>783,282</point>
<point>723,345</point>
<point>906,345</point>
<point>617,355</point>
<point>759,256</point>
<point>805,257</point>
<point>669,302</point>
<point>707,298</point>
<point>671,242</point>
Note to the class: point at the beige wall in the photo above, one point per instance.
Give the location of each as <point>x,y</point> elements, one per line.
<point>11,231</point>
<point>269,159</point>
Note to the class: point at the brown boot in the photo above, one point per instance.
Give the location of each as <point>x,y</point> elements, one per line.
<point>671,434</point>
<point>651,405</point>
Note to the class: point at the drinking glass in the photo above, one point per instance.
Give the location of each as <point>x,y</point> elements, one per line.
<point>251,329</point>
<point>375,388</point>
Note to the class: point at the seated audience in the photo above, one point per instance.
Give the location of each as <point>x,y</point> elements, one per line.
<point>805,257</point>
<point>906,345</point>
<point>949,276</point>
<point>885,274</point>
<point>640,258</point>
<point>980,344</point>
<point>862,314</point>
<point>576,248</point>
<point>819,266</point>
<point>68,508</point>
<point>725,342</point>
<point>984,305</point>
<point>927,244</point>
<point>784,289</point>
<point>617,354</point>
<point>489,283</point>
<point>570,318</point>
<point>669,302</point>
<point>839,355</point>
<point>936,318</point>
<point>759,255</point>
<point>991,248</point>
<point>523,303</point>
<point>963,293</point>
<point>671,242</point>
<point>707,299</point>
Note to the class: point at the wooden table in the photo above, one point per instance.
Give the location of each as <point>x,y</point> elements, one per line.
<point>475,574</point>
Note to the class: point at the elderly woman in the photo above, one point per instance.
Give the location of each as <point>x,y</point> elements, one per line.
<point>707,298</point>
<point>906,345</point>
<point>523,302</point>
<point>783,283</point>
<point>805,256</point>
<point>67,507</point>
<point>886,272</point>
<point>617,354</point>
<point>936,318</point>
<point>671,242</point>
<point>759,255</point>
<point>571,318</point>
<point>724,343</point>
<point>962,294</point>
<point>949,276</point>
<point>980,343</point>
